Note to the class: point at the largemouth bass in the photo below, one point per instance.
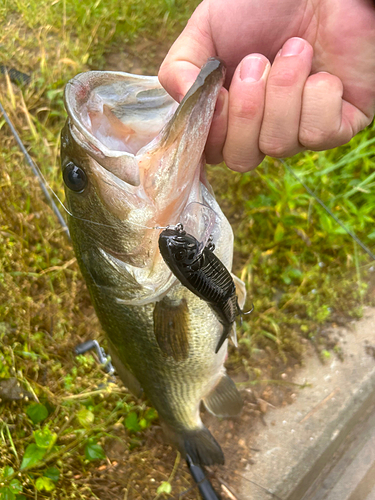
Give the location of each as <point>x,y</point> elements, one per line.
<point>132,160</point>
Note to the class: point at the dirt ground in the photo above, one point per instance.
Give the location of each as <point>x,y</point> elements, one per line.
<point>137,474</point>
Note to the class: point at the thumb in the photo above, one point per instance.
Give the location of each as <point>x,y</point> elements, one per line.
<point>188,54</point>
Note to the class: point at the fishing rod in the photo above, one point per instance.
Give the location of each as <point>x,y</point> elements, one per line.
<point>205,487</point>
<point>203,483</point>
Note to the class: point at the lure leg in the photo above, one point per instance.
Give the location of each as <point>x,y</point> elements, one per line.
<point>224,336</point>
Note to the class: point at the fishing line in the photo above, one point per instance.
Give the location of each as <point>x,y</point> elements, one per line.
<point>45,186</point>
<point>311,193</point>
<point>36,172</point>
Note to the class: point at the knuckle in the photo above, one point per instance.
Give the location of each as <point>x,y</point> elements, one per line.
<point>318,139</point>
<point>283,78</point>
<point>241,164</point>
<point>274,147</point>
<point>238,167</point>
<point>314,137</point>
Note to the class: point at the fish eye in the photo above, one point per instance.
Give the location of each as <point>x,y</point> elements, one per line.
<point>74,177</point>
<point>180,254</point>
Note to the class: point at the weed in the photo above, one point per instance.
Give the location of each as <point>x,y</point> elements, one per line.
<point>301,269</point>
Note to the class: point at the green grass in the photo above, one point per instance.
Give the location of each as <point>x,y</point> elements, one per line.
<point>302,271</point>
<point>301,268</point>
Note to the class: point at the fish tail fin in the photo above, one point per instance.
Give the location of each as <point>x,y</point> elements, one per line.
<point>202,447</point>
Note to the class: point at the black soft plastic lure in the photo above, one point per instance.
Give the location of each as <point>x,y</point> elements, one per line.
<point>203,273</point>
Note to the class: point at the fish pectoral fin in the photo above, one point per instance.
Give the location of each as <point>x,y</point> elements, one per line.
<point>240,290</point>
<point>171,328</point>
<point>224,400</point>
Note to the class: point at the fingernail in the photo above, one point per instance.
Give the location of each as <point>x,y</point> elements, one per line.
<point>252,69</point>
<point>219,103</point>
<point>293,47</point>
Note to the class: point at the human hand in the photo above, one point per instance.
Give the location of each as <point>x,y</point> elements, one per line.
<point>317,94</point>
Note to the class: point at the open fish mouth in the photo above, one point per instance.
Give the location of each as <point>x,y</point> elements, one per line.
<point>142,155</point>
<point>116,116</point>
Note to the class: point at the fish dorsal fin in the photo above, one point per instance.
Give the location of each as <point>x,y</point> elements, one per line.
<point>171,327</point>
<point>224,400</point>
<point>240,290</point>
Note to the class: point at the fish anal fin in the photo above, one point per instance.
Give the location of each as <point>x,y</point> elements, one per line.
<point>171,328</point>
<point>240,291</point>
<point>224,400</point>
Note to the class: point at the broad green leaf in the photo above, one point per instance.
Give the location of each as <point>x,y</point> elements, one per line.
<point>85,417</point>
<point>151,414</point>
<point>44,438</point>
<point>44,483</point>
<point>32,455</point>
<point>164,487</point>
<point>15,485</point>
<point>37,412</point>
<point>8,471</point>
<point>53,473</point>
<point>6,494</point>
<point>131,422</point>
<point>94,451</point>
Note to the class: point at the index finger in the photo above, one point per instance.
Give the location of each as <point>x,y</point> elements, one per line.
<point>188,54</point>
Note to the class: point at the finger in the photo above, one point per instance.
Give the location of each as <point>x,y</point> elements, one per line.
<point>188,54</point>
<point>328,121</point>
<point>218,130</point>
<point>245,113</point>
<point>280,127</point>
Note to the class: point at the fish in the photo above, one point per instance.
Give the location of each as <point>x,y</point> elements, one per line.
<point>132,162</point>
